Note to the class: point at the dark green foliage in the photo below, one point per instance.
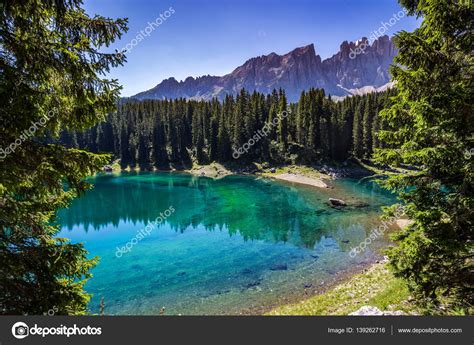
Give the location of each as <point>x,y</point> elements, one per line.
<point>50,60</point>
<point>430,129</point>
<point>283,122</point>
<point>367,128</point>
<point>164,133</point>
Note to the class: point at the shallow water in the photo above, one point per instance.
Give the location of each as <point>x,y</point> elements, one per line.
<point>224,246</point>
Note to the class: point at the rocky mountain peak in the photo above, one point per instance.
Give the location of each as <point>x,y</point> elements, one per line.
<point>358,65</point>
<point>309,49</point>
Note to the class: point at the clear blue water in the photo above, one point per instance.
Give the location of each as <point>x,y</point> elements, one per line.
<point>234,245</point>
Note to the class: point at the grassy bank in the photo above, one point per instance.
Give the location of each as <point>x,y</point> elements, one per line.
<point>376,287</point>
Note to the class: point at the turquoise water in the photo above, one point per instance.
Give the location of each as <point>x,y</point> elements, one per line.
<point>227,246</point>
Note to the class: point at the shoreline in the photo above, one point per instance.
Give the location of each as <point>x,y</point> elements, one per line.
<point>372,291</point>
<point>300,174</point>
<point>342,277</point>
<point>346,280</point>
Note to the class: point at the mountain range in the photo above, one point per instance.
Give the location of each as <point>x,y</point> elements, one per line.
<point>357,68</point>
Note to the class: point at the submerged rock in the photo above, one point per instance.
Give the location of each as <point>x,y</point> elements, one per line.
<point>320,212</point>
<point>253,284</point>
<point>222,292</point>
<point>361,205</point>
<point>337,202</point>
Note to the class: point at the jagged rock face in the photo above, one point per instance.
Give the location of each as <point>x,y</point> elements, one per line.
<point>294,72</point>
<point>357,68</point>
<point>367,68</point>
<point>199,88</point>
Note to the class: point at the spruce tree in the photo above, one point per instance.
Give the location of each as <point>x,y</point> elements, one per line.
<point>223,133</point>
<point>283,122</point>
<point>239,135</point>
<point>160,156</point>
<point>52,64</point>
<point>367,127</point>
<point>301,120</point>
<point>358,131</point>
<point>431,126</point>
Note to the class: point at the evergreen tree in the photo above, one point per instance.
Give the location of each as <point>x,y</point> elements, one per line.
<point>198,133</point>
<point>105,137</point>
<point>375,131</point>
<point>52,65</point>
<point>283,122</point>
<point>301,122</point>
<point>358,131</point>
<point>223,135</point>
<point>160,155</point>
<point>213,133</point>
<point>272,116</point>
<point>125,158</point>
<point>144,149</point>
<point>313,124</point>
<point>166,131</point>
<point>431,127</point>
<point>172,133</point>
<point>367,127</point>
<point>239,137</point>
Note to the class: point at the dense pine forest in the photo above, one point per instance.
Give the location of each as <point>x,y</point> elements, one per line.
<point>164,133</point>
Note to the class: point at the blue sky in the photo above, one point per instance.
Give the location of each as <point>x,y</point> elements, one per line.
<point>213,37</point>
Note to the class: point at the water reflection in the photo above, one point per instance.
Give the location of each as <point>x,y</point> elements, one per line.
<point>254,208</point>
